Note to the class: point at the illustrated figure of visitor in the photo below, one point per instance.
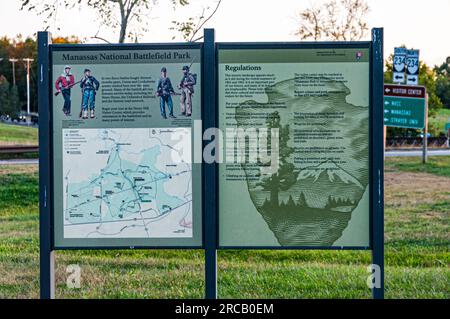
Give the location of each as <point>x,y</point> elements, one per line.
<point>187,89</point>
<point>63,85</point>
<point>164,90</point>
<point>89,87</point>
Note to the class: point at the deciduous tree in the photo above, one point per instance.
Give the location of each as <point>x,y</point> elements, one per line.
<point>190,28</point>
<point>443,83</point>
<point>337,20</point>
<point>129,17</point>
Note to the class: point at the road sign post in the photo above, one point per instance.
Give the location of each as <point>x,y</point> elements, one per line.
<point>425,133</point>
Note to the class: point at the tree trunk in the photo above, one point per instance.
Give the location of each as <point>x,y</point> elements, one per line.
<point>274,190</point>
<point>123,22</point>
<point>123,32</point>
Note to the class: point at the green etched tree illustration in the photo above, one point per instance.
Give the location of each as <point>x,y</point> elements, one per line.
<point>302,200</point>
<point>286,175</point>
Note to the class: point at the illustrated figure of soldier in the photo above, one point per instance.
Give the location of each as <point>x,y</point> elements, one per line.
<point>89,87</point>
<point>64,84</point>
<point>164,90</point>
<point>187,90</point>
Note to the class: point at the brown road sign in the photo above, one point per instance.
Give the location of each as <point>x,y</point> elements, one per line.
<point>404,90</point>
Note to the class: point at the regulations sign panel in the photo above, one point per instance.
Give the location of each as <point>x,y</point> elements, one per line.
<point>122,133</point>
<point>404,106</point>
<point>296,166</point>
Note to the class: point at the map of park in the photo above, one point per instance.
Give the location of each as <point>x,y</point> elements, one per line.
<point>127,183</point>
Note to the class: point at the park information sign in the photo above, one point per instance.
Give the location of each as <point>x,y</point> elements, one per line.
<point>317,98</point>
<point>291,136</point>
<point>122,134</point>
<point>404,106</point>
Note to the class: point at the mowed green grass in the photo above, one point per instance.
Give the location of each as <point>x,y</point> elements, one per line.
<point>437,165</point>
<point>17,134</point>
<point>417,253</point>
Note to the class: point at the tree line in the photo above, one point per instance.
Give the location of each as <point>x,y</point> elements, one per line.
<point>13,98</point>
<point>301,202</point>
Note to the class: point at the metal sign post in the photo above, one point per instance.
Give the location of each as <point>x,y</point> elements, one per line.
<point>447,128</point>
<point>425,133</point>
<point>378,161</point>
<point>210,170</point>
<point>46,253</point>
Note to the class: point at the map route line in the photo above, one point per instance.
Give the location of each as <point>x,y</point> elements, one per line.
<point>165,213</point>
<point>127,189</point>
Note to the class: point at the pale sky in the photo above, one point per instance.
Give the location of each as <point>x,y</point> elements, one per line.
<point>418,24</point>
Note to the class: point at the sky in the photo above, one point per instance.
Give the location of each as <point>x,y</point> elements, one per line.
<point>418,24</point>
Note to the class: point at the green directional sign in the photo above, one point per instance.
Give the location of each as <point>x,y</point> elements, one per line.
<point>404,106</point>
<point>404,112</point>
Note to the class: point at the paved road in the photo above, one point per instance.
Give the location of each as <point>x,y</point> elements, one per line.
<point>20,123</point>
<point>418,153</point>
<point>19,161</point>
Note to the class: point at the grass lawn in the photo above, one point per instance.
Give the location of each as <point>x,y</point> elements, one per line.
<point>440,119</point>
<point>417,252</point>
<point>436,165</point>
<point>16,134</point>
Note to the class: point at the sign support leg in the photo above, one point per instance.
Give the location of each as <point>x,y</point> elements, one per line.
<point>46,253</point>
<point>210,170</point>
<point>448,138</point>
<point>378,164</point>
<point>425,133</point>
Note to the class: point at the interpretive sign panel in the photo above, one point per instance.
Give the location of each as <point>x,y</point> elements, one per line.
<point>296,168</point>
<point>122,135</point>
